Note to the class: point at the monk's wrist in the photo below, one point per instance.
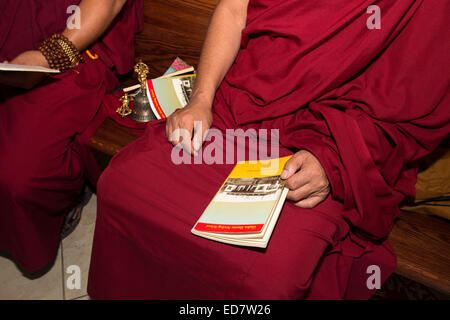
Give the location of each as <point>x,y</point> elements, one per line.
<point>202,99</point>
<point>42,61</point>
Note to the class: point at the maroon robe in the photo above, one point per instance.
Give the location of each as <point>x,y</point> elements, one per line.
<point>367,103</point>
<point>44,132</point>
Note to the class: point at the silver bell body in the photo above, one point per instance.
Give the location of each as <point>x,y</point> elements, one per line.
<point>142,111</point>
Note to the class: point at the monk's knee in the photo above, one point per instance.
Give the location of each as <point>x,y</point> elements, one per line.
<point>279,285</point>
<point>15,183</point>
<point>108,179</point>
<point>103,182</point>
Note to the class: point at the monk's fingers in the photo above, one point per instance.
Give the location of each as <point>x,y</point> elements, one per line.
<point>310,202</point>
<point>170,125</point>
<point>175,130</point>
<point>173,135</point>
<point>299,194</point>
<point>308,181</point>
<point>168,129</point>
<point>293,164</point>
<point>172,122</point>
<point>298,180</point>
<point>200,132</point>
<point>197,141</point>
<point>309,195</point>
<point>185,140</point>
<point>311,172</point>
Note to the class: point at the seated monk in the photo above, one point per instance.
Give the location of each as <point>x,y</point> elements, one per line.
<point>356,106</point>
<point>45,128</point>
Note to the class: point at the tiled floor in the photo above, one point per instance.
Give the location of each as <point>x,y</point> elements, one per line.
<point>75,250</point>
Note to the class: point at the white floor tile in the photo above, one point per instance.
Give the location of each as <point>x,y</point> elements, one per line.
<point>77,252</point>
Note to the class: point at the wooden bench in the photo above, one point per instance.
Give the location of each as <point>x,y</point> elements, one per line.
<point>177,28</point>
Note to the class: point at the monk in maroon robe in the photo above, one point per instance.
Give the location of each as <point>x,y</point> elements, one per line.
<point>44,160</point>
<point>357,98</point>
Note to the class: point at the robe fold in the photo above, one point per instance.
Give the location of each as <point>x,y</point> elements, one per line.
<point>368,103</point>
<point>44,132</point>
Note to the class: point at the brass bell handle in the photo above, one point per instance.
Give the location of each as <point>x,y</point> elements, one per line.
<point>142,70</point>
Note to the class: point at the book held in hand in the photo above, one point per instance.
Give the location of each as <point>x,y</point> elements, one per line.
<point>246,208</point>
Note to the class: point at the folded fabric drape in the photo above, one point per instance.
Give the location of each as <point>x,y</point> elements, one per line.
<point>368,103</point>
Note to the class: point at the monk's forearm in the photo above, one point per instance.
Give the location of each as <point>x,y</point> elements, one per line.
<point>220,47</point>
<point>96,17</point>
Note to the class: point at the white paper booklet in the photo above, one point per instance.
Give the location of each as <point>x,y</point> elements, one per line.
<point>23,68</point>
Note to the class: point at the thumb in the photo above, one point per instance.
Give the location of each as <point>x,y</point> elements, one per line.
<point>292,165</point>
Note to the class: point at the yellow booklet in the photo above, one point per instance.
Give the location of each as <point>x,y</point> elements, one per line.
<point>246,208</point>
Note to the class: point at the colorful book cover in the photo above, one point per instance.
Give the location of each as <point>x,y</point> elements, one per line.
<point>177,65</point>
<point>246,207</point>
<point>168,94</point>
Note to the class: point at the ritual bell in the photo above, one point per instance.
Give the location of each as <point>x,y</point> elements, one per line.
<point>142,111</point>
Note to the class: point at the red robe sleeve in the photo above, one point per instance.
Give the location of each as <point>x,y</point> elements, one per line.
<point>117,46</point>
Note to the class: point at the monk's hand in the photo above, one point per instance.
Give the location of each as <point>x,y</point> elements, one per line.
<point>25,80</point>
<point>189,126</point>
<point>31,58</point>
<point>307,181</point>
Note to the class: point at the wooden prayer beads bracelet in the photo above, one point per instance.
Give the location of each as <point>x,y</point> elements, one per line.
<point>60,53</point>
